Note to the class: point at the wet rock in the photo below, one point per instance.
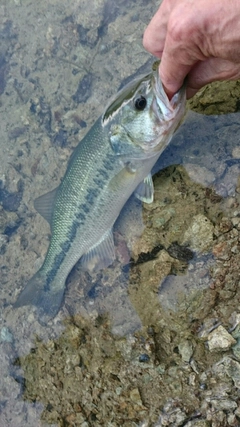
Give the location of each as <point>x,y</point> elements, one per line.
<point>87,37</point>
<point>9,222</point>
<point>42,109</point>
<point>199,235</point>
<point>144,358</point>
<point>186,350</point>
<point>232,369</point>
<point>84,89</point>
<point>197,423</point>
<point>237,412</point>
<point>10,201</point>
<point>226,187</point>
<point>135,396</point>
<point>220,340</point>
<point>223,404</point>
<point>3,73</point>
<point>208,325</point>
<point>17,131</point>
<point>6,335</point>
<point>236,222</point>
<point>60,138</point>
<point>221,251</point>
<point>3,243</point>
<point>223,227</point>
<point>235,321</point>
<point>236,347</point>
<point>236,152</point>
<point>232,420</point>
<point>217,98</point>
<point>171,415</point>
<point>180,252</point>
<point>200,174</point>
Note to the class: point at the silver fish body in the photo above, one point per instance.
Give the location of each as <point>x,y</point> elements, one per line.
<point>112,161</point>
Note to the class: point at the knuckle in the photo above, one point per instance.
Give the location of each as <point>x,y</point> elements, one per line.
<point>180,25</point>
<point>146,42</point>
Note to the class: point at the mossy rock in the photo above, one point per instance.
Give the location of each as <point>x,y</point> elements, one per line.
<point>217,98</point>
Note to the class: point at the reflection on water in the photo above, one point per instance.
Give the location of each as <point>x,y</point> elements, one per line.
<point>154,339</point>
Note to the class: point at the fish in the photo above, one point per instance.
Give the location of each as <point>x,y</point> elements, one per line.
<point>112,161</point>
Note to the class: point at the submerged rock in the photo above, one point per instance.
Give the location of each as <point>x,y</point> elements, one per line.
<point>220,340</point>
<point>199,234</point>
<point>217,98</point>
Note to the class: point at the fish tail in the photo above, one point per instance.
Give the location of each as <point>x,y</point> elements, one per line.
<point>47,299</point>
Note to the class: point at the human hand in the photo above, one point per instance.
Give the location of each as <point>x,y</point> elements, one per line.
<point>199,39</point>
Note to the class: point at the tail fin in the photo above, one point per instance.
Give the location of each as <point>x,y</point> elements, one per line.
<point>47,300</point>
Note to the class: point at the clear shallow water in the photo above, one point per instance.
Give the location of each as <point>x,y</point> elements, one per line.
<point>137,349</point>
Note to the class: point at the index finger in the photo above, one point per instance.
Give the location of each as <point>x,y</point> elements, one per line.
<point>155,33</point>
<point>181,49</point>
<point>173,71</point>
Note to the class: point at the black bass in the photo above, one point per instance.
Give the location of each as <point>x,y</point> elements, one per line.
<point>112,161</point>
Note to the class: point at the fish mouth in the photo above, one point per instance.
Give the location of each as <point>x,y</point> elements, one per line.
<point>167,110</point>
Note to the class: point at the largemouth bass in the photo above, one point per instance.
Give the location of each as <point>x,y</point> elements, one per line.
<point>112,161</point>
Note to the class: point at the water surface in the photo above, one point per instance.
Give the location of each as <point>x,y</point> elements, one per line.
<point>152,340</point>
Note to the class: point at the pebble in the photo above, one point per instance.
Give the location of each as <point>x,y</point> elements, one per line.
<point>144,358</point>
<point>208,326</point>
<point>236,153</point>
<point>135,396</point>
<point>197,423</point>
<point>223,227</point>
<point>237,412</point>
<point>186,350</point>
<point>220,251</point>
<point>6,335</point>
<point>223,404</point>
<point>199,234</point>
<point>200,174</point>
<point>236,222</point>
<point>220,339</point>
<point>232,369</point>
<point>232,420</point>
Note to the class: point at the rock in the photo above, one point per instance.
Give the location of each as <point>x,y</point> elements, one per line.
<point>207,326</point>
<point>199,235</point>
<point>237,412</point>
<point>8,221</point>
<point>186,350</point>
<point>197,423</point>
<point>200,174</point>
<point>220,340</point>
<point>236,152</point>
<point>232,369</point>
<point>215,98</point>
<point>223,227</point>
<point>223,404</point>
<point>221,251</point>
<point>135,396</point>
<point>6,335</point>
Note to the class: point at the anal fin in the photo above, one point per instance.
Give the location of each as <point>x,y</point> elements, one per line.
<point>100,255</point>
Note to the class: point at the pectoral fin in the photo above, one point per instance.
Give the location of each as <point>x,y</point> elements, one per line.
<point>101,255</point>
<point>44,204</point>
<point>145,190</point>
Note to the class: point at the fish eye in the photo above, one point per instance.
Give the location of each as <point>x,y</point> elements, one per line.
<point>140,103</point>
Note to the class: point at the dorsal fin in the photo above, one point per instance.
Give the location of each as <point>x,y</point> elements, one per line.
<point>44,204</point>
